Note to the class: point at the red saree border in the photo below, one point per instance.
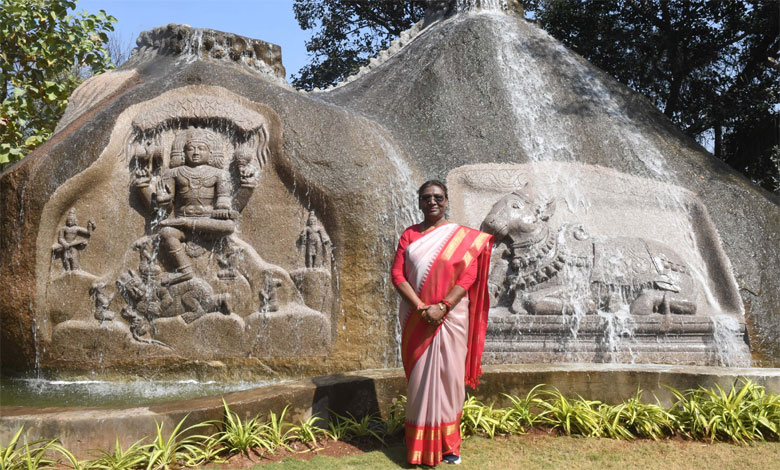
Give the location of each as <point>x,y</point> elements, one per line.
<point>426,445</point>
<point>465,246</point>
<point>479,305</point>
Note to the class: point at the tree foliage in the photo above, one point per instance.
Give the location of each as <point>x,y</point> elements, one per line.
<point>46,53</point>
<point>348,33</point>
<point>705,63</point>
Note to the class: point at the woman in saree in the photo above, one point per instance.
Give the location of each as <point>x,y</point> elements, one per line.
<point>440,270</point>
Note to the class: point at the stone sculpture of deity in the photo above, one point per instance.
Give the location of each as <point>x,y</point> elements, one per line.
<point>200,193</point>
<point>70,239</point>
<point>314,242</point>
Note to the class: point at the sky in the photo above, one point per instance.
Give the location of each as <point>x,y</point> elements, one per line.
<point>269,20</point>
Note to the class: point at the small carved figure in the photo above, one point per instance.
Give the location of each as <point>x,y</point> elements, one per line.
<point>268,299</point>
<point>139,327</point>
<point>314,243</point>
<point>245,154</point>
<point>227,260</point>
<point>147,252</point>
<point>199,189</point>
<point>535,270</point>
<point>150,300</point>
<point>101,301</point>
<point>70,240</point>
<point>148,160</point>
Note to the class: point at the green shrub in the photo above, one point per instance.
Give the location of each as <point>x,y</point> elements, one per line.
<point>570,417</point>
<point>739,415</point>
<point>636,419</point>
<point>122,459</point>
<point>178,448</point>
<point>239,436</point>
<point>28,456</point>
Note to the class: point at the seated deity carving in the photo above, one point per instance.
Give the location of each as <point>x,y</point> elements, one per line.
<point>199,193</point>
<point>537,269</point>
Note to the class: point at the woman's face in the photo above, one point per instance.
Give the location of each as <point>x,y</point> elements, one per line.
<point>433,203</point>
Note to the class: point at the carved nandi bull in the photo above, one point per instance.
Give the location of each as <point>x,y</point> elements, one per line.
<point>540,271</point>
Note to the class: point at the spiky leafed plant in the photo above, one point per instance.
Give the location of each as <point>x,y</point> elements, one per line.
<point>277,432</point>
<point>180,446</point>
<point>578,416</point>
<point>396,416</point>
<point>308,433</point>
<point>478,418</point>
<point>347,427</point>
<point>742,414</point>
<point>521,413</point>
<point>633,418</point>
<point>27,456</point>
<point>240,435</point>
<point>122,459</point>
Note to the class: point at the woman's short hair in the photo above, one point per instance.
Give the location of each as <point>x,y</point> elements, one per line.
<point>430,183</point>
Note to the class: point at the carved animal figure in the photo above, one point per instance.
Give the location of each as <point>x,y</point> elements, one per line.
<point>537,270</point>
<point>148,300</point>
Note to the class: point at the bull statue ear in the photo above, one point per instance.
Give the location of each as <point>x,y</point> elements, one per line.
<point>521,191</point>
<point>546,209</point>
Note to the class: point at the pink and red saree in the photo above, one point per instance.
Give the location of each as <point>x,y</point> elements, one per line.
<point>439,359</point>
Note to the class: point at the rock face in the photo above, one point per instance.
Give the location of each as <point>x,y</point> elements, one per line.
<point>591,264</point>
<point>194,214</point>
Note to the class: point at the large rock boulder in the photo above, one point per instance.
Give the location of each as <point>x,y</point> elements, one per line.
<point>194,213</point>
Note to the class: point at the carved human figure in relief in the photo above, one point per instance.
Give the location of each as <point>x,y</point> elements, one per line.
<point>201,195</point>
<point>70,240</point>
<point>269,301</point>
<point>101,302</point>
<point>147,253</point>
<point>314,242</point>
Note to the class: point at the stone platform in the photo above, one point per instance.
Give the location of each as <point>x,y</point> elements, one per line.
<point>667,339</point>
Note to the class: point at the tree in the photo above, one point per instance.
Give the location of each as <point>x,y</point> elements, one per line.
<point>704,63</point>
<point>46,54</point>
<point>348,33</point>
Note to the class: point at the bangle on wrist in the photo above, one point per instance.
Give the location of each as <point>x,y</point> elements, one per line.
<point>443,307</point>
<point>447,303</point>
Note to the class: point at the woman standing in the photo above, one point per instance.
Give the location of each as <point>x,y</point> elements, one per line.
<point>440,270</point>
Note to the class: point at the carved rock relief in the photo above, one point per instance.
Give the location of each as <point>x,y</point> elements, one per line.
<point>590,264</point>
<point>315,248</point>
<point>190,284</point>
<point>71,238</point>
<point>542,270</point>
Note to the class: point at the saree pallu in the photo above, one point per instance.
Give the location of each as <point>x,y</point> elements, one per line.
<point>439,359</point>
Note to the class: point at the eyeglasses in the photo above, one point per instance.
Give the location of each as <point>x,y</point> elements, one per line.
<point>429,197</point>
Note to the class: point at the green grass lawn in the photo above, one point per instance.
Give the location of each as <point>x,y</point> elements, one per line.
<point>571,453</point>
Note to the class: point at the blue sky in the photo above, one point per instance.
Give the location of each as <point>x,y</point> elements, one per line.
<point>269,20</point>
